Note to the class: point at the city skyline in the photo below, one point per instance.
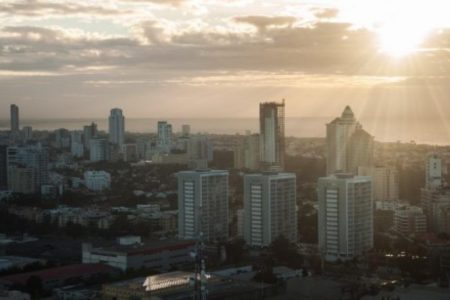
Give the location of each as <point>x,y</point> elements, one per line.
<point>152,57</point>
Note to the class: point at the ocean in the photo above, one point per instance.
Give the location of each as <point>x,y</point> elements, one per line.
<point>424,131</point>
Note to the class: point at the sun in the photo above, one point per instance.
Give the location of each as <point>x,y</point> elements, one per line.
<point>401,39</point>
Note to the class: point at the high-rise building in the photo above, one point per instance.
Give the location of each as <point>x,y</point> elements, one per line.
<point>270,208</point>
<point>76,144</point>
<point>165,136</point>
<point>89,132</point>
<point>97,180</point>
<point>200,148</point>
<point>3,167</point>
<point>117,127</point>
<point>272,144</point>
<point>349,146</point>
<point>345,216</point>
<point>433,201</point>
<point>130,152</point>
<point>433,170</point>
<point>246,155</point>
<point>25,160</point>
<point>14,115</point>
<point>385,185</point>
<point>27,132</point>
<point>99,150</point>
<point>203,204</point>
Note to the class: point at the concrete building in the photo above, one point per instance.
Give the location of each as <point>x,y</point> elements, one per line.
<point>272,143</point>
<point>433,171</point>
<point>97,181</point>
<point>410,220</point>
<point>348,145</point>
<point>27,133</point>
<point>247,155</point>
<point>434,201</point>
<point>345,216</point>
<point>200,148</point>
<point>117,127</point>
<point>99,150</point>
<point>203,204</point>
<point>14,116</point>
<point>130,152</point>
<point>76,144</point>
<point>27,163</point>
<point>165,136</point>
<point>386,193</point>
<point>89,132</point>
<point>270,208</point>
<point>3,167</point>
<point>185,130</point>
<point>161,255</point>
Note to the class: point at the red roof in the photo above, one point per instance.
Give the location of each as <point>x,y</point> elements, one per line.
<point>60,273</point>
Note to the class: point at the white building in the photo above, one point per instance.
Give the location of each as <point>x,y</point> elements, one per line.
<point>97,180</point>
<point>433,171</point>
<point>270,208</point>
<point>116,127</point>
<point>345,216</point>
<point>203,204</point>
<point>348,145</point>
<point>386,193</point>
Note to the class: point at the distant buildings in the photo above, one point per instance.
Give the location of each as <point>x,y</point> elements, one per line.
<point>97,181</point>
<point>185,130</point>
<point>385,185</point>
<point>349,146</point>
<point>433,171</point>
<point>270,208</point>
<point>76,144</point>
<point>27,168</point>
<point>345,216</point>
<point>203,204</point>
<point>272,145</point>
<point>117,127</point>
<point>3,167</point>
<point>27,132</point>
<point>14,116</point>
<point>435,204</point>
<point>410,220</point>
<point>199,148</point>
<point>130,152</point>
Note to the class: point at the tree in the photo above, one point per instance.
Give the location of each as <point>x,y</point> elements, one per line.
<point>235,250</point>
<point>286,252</point>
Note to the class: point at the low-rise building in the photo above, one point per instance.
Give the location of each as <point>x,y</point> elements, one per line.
<point>97,180</point>
<point>160,255</point>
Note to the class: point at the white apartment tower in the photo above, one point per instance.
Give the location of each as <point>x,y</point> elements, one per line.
<point>433,169</point>
<point>345,216</point>
<point>270,208</point>
<point>203,204</point>
<point>348,145</point>
<point>116,127</point>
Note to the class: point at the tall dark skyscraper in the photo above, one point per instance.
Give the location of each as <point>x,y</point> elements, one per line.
<point>271,120</point>
<point>14,115</point>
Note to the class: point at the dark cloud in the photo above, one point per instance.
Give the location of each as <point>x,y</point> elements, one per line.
<point>32,8</point>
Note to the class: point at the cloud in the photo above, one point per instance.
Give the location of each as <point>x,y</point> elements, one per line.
<point>262,23</point>
<point>33,8</point>
<point>325,13</point>
<point>175,3</point>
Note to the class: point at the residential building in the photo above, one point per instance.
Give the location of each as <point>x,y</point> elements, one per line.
<point>433,171</point>
<point>165,136</point>
<point>117,127</point>
<point>272,143</point>
<point>349,146</point>
<point>203,204</point>
<point>345,216</point>
<point>246,155</point>
<point>410,220</point>
<point>99,150</point>
<point>97,181</point>
<point>270,208</point>
<point>14,116</point>
<point>89,132</point>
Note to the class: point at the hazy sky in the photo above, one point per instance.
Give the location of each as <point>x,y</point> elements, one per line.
<point>219,58</point>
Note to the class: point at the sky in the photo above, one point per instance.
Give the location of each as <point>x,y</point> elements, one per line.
<point>220,58</point>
